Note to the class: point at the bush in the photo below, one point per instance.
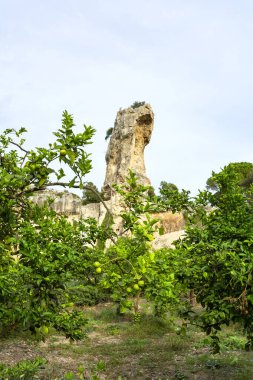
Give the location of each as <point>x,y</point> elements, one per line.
<point>86,295</point>
<point>137,104</point>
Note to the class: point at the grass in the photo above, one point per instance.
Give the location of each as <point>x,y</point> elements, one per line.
<point>117,348</point>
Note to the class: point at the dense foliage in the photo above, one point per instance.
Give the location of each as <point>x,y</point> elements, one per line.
<point>48,265</point>
<point>131,269</point>
<point>244,172</point>
<point>213,260</point>
<point>217,254</point>
<point>41,252</point>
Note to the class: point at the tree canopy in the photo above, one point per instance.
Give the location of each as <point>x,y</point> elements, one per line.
<point>217,254</point>
<point>40,252</point>
<point>243,171</point>
<point>91,194</point>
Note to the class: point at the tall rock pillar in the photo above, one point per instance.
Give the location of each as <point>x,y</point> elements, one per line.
<point>131,133</point>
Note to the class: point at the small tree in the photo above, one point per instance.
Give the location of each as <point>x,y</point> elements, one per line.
<point>165,188</point>
<point>170,198</point>
<point>243,170</point>
<point>40,251</point>
<point>91,194</point>
<point>217,255</point>
<point>130,268</point>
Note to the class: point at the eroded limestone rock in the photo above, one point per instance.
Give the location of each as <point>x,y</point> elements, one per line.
<point>131,133</point>
<point>167,240</point>
<point>63,202</point>
<point>170,221</point>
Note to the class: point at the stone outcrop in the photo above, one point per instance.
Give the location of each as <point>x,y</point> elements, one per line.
<point>167,240</point>
<point>65,203</point>
<point>131,133</point>
<point>62,202</point>
<point>70,205</point>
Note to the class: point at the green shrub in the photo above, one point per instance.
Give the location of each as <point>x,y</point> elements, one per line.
<point>87,295</point>
<point>25,370</point>
<point>137,104</point>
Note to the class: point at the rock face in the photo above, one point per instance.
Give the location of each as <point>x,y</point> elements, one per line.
<point>167,240</point>
<point>63,202</point>
<point>131,133</point>
<point>170,222</point>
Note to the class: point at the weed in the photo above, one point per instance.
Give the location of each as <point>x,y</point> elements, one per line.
<point>114,329</point>
<point>149,326</point>
<point>25,369</point>
<point>233,342</point>
<point>179,375</point>
<point>109,315</point>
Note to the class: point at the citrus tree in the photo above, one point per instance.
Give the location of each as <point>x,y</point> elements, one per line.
<point>24,172</point>
<point>217,255</point>
<point>40,252</point>
<point>130,268</point>
<point>244,172</point>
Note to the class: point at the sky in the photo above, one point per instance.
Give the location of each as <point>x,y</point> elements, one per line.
<point>191,60</point>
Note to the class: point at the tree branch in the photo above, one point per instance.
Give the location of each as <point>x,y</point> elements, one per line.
<point>20,147</point>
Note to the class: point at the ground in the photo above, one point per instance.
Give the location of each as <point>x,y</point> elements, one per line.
<point>120,348</point>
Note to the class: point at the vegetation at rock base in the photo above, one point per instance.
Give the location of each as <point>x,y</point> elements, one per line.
<point>51,268</point>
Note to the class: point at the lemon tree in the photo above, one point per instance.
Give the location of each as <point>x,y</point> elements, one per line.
<point>41,252</point>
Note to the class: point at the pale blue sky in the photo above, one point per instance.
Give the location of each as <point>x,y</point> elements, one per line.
<point>191,60</point>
